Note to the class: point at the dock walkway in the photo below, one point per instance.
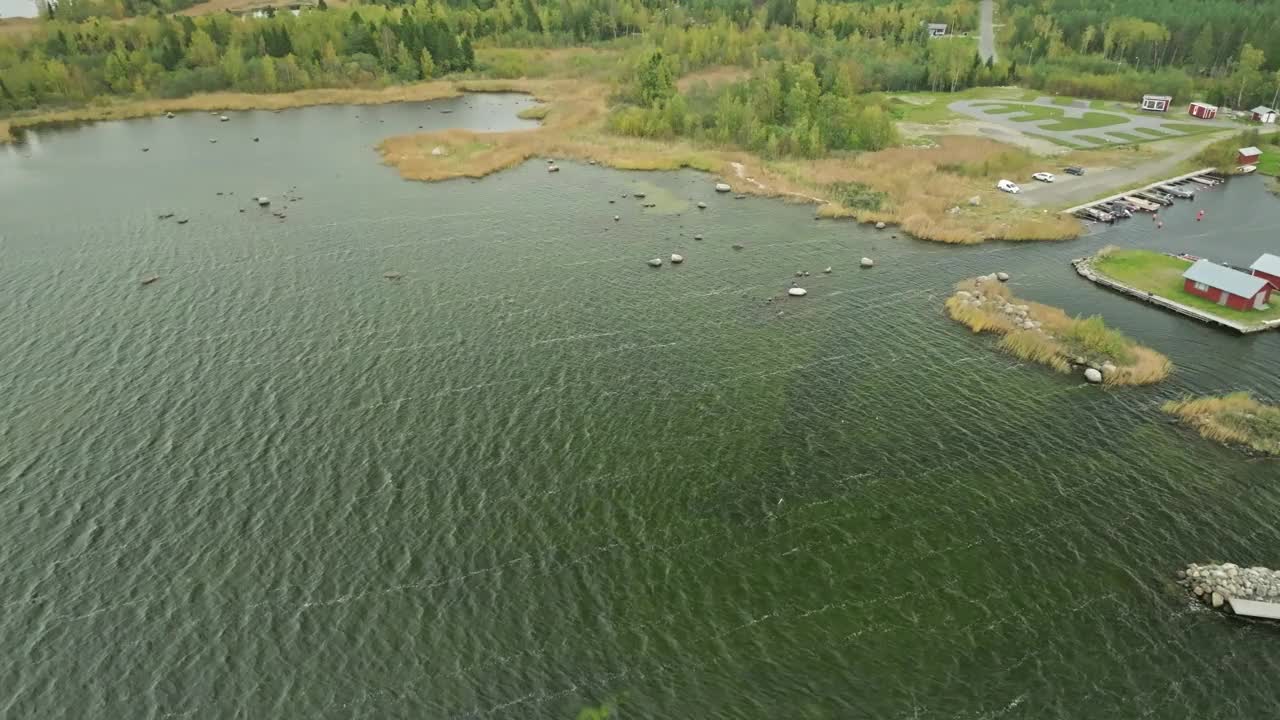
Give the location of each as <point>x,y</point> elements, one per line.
<point>1148,186</point>
<point>1084,267</point>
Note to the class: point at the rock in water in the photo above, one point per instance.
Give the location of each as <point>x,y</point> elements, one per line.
<point>656,262</point>
<point>147,280</point>
<point>723,187</point>
<point>676,259</point>
<point>553,168</point>
<point>697,237</point>
<point>616,218</point>
<point>738,246</point>
<point>797,292</point>
<point>169,115</point>
<point>702,206</point>
<point>827,271</point>
<point>263,200</point>
<point>638,196</point>
<point>1093,375</point>
<point>1002,276</point>
<point>392,275</point>
<point>866,262</point>
<point>880,225</point>
<point>223,118</point>
<point>1217,600</point>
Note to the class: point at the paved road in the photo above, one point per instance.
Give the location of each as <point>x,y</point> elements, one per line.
<point>987,31</point>
<point>1081,138</point>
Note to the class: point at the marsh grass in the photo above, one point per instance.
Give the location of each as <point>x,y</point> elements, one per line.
<point>1059,340</point>
<point>1234,419</point>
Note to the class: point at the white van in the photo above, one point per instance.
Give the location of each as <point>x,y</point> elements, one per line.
<point>1008,186</point>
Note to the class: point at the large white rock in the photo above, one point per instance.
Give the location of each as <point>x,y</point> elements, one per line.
<point>656,262</point>
<point>797,292</point>
<point>867,262</point>
<point>676,259</point>
<point>1092,375</point>
<point>264,200</point>
<point>1002,276</point>
<point>702,206</point>
<point>223,118</point>
<point>723,187</point>
<point>880,225</point>
<point>439,151</point>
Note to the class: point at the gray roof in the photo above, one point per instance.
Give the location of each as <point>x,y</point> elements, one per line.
<point>1224,278</point>
<point>1157,97</point>
<point>1251,150</point>
<point>937,26</point>
<point>1262,110</point>
<point>1268,263</point>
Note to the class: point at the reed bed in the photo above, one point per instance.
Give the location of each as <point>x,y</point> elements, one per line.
<point>1236,419</point>
<point>1056,339</point>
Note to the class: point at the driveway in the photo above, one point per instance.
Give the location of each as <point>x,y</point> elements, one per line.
<point>1134,126</point>
<point>987,31</point>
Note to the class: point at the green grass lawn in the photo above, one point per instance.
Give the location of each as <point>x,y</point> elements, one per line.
<point>1161,274</point>
<point>1094,140</point>
<point>1125,137</point>
<point>1055,140</point>
<point>1088,121</point>
<point>1270,162</point>
<point>1152,132</point>
<point>1189,128</point>
<point>1023,112</point>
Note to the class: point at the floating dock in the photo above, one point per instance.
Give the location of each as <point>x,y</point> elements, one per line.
<point>1203,176</point>
<point>1084,268</point>
<point>1255,609</point>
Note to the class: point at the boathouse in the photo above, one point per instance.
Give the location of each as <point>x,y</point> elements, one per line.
<point>1267,267</point>
<point>1158,103</point>
<point>1248,156</point>
<point>1263,114</point>
<point>1204,111</point>
<point>1226,286</point>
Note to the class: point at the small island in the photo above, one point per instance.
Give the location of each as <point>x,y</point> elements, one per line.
<point>1049,336</point>
<point>1237,419</point>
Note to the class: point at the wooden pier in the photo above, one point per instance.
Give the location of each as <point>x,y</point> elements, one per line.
<point>1132,191</point>
<point>1084,268</point>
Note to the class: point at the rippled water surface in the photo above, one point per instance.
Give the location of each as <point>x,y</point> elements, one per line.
<point>534,474</point>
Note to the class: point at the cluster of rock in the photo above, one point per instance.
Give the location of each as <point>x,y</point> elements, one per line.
<point>1215,585</point>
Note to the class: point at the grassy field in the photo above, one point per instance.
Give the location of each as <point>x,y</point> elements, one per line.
<point>1054,339</point>
<point>1153,133</point>
<point>1270,162</point>
<point>931,108</point>
<point>1235,419</point>
<point>1189,128</point>
<point>1162,275</point>
<point>1023,112</point>
<point>1125,137</point>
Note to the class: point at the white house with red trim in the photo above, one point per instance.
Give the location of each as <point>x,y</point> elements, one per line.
<point>1157,103</point>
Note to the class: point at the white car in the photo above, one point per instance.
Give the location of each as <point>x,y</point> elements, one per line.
<point>1044,177</point>
<point>1008,186</point>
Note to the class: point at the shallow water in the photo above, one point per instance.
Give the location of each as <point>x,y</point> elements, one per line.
<point>534,474</point>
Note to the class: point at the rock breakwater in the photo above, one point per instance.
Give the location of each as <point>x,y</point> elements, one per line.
<point>1216,585</point>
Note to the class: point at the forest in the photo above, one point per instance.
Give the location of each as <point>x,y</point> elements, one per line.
<point>813,71</point>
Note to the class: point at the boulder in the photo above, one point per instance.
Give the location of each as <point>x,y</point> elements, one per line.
<point>880,225</point>
<point>223,118</point>
<point>213,140</point>
<point>676,259</point>
<point>1002,276</point>
<point>1216,599</point>
<point>723,187</point>
<point>1092,375</point>
<point>738,246</point>
<point>638,196</point>
<point>827,270</point>
<point>656,262</point>
<point>797,292</point>
<point>702,206</point>
<point>439,151</point>
<point>263,200</point>
<point>698,236</point>
<point>169,115</point>
<point>866,262</point>
<point>953,210</point>
<point>975,201</point>
<point>799,273</point>
<point>392,275</point>
<point>616,218</point>
<point>553,168</point>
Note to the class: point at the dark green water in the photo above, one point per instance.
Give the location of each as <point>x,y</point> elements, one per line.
<point>535,474</point>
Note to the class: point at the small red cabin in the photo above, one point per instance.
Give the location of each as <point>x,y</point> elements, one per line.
<point>1267,267</point>
<point>1248,156</point>
<point>1226,287</point>
<point>1204,111</point>
<point>1158,103</point>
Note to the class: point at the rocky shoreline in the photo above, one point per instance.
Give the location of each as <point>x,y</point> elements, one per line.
<point>1215,585</point>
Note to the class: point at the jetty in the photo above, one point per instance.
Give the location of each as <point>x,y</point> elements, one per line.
<point>1248,592</point>
<point>1084,268</point>
<point>1151,196</point>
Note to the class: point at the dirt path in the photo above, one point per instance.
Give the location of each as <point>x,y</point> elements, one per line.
<point>741,171</point>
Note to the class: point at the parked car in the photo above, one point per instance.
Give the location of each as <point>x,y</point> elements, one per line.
<point>1074,170</point>
<point>1008,186</point>
<point>1043,177</point>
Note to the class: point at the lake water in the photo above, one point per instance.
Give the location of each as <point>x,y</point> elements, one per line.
<point>535,474</point>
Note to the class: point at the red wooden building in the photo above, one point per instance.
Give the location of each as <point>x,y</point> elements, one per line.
<point>1158,103</point>
<point>1227,287</point>
<point>1248,156</point>
<point>1204,111</point>
<point>1267,267</point>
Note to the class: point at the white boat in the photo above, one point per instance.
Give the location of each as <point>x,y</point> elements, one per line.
<point>1245,169</point>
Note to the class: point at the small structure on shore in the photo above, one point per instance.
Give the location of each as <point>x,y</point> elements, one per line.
<point>1267,267</point>
<point>1251,592</point>
<point>1156,103</point>
<point>1226,286</point>
<point>1202,110</point>
<point>1248,156</point>
<point>1263,114</point>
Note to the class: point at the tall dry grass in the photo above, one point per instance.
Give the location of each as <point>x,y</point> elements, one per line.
<point>1234,419</point>
<point>1059,340</point>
